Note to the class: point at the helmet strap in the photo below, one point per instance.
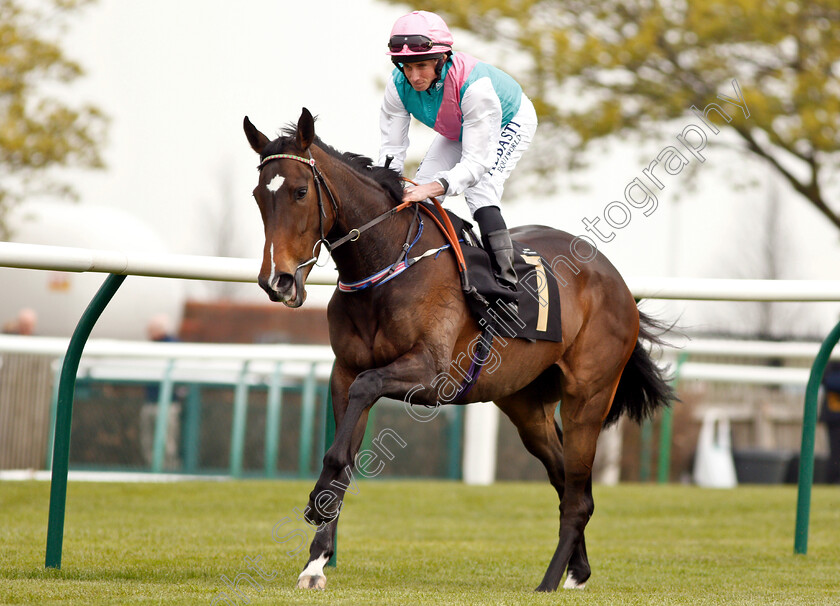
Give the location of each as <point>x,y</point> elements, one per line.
<point>439,68</point>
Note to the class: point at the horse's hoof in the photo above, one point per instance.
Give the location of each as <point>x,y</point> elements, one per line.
<point>312,582</point>
<point>572,583</point>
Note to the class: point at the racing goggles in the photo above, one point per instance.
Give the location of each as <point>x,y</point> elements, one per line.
<point>416,43</point>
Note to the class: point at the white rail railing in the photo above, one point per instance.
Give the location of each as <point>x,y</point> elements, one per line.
<point>103,348</point>
<point>191,267</point>
<point>743,373</point>
<point>62,258</point>
<point>203,363</point>
<point>191,356</point>
<point>721,289</point>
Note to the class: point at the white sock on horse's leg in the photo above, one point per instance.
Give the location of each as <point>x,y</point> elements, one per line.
<point>571,583</point>
<point>312,576</point>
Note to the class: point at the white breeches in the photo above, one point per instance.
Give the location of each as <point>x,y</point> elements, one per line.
<point>512,141</point>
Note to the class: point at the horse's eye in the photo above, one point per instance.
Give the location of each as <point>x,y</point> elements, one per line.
<point>300,193</point>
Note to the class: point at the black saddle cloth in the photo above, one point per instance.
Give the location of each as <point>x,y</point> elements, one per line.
<point>538,316</point>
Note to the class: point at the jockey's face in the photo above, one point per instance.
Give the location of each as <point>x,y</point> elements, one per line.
<point>420,75</point>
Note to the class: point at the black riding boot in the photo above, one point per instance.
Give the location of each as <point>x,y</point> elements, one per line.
<point>498,242</point>
<point>496,239</point>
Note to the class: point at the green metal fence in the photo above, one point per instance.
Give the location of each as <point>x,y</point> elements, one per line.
<point>806,454</point>
<point>64,417</point>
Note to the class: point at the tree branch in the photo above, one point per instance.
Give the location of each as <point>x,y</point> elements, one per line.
<point>811,191</point>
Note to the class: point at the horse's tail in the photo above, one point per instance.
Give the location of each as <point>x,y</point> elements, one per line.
<point>642,388</point>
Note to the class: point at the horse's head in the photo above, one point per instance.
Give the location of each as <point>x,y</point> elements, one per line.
<point>291,207</point>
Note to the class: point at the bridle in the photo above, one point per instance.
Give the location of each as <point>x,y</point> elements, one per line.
<point>320,183</point>
<point>354,234</point>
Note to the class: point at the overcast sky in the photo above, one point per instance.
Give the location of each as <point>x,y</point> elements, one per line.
<point>178,77</point>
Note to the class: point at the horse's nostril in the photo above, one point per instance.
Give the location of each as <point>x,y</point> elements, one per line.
<point>283,282</point>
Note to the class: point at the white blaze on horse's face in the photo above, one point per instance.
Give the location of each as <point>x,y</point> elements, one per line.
<point>273,265</point>
<point>275,184</point>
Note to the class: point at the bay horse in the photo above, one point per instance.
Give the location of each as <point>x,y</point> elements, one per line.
<point>398,338</point>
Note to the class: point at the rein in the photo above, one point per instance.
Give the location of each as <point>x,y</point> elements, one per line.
<point>447,229</point>
<point>444,224</point>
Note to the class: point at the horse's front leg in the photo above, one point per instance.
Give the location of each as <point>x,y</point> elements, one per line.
<point>394,380</point>
<point>323,545</point>
<point>320,552</point>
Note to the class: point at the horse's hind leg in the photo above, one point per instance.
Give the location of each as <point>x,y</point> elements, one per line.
<point>539,433</point>
<point>582,421</point>
<point>579,570</point>
<point>532,412</point>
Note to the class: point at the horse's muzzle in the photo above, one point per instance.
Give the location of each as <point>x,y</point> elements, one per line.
<point>283,288</point>
<point>286,288</point>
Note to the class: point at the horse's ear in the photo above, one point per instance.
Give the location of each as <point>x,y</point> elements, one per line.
<point>305,130</point>
<point>257,140</point>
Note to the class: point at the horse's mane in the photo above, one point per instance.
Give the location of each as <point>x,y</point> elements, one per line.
<point>390,180</point>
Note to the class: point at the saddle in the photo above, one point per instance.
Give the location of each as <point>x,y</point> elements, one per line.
<point>538,316</point>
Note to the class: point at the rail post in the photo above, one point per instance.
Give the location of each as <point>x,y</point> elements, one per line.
<point>329,438</point>
<point>162,419</point>
<point>806,452</point>
<point>53,413</point>
<point>307,423</point>
<point>192,428</point>
<point>666,429</point>
<point>273,406</point>
<point>455,444</point>
<point>239,422</point>
<point>64,416</point>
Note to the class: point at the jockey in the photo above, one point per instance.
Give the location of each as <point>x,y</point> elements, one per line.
<point>483,119</point>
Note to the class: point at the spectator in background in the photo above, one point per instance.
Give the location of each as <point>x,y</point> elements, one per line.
<point>830,415</point>
<point>159,328</point>
<point>24,324</point>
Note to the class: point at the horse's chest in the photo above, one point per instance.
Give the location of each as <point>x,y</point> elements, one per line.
<point>372,345</point>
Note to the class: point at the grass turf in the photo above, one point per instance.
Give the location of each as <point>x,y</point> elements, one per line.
<point>417,543</point>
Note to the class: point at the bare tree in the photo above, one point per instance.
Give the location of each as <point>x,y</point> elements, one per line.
<point>221,221</point>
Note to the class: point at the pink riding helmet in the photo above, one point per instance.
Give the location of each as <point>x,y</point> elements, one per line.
<point>422,23</point>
